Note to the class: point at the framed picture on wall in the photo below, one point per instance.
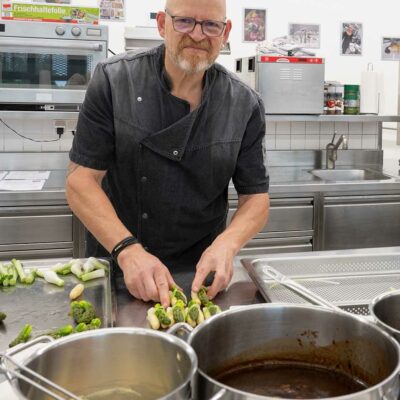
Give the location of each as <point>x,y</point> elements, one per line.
<point>390,48</point>
<point>352,39</point>
<point>254,25</point>
<point>305,35</point>
<point>113,10</point>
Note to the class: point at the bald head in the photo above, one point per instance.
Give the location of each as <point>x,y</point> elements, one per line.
<point>217,5</point>
<point>192,50</point>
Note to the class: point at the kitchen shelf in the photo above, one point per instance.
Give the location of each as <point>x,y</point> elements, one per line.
<point>41,115</point>
<point>269,117</point>
<point>331,118</point>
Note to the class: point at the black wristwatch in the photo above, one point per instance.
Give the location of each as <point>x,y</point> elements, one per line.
<point>121,246</point>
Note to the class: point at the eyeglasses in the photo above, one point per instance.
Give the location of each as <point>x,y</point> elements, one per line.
<point>187,24</point>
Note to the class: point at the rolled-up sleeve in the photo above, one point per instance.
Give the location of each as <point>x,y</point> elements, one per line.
<point>251,174</point>
<point>94,143</point>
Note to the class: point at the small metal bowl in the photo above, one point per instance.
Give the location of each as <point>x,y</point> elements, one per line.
<point>385,309</point>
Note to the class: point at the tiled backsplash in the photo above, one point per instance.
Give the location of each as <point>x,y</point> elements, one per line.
<point>316,135</point>
<point>39,130</point>
<point>279,135</point>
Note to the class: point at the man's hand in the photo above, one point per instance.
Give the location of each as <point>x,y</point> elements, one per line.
<point>217,258</point>
<point>146,277</point>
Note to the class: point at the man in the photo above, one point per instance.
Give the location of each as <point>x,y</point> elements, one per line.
<point>159,138</point>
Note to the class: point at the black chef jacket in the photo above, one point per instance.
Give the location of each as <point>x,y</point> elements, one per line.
<point>168,168</point>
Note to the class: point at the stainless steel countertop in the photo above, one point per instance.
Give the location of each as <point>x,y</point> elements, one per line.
<point>283,181</point>
<point>53,192</point>
<point>132,312</point>
<point>241,291</point>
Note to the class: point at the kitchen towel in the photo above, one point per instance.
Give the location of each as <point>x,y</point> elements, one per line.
<point>369,96</point>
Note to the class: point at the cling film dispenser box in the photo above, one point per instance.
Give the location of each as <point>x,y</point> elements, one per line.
<point>46,12</point>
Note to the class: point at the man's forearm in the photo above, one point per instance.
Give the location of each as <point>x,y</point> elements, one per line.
<point>249,219</point>
<point>91,205</point>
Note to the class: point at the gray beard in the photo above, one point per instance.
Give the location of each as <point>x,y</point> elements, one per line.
<point>189,69</point>
<point>185,66</point>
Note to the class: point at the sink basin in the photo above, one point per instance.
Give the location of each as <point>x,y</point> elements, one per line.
<point>348,174</point>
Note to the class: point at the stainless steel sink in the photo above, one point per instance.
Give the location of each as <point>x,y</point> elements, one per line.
<point>344,175</point>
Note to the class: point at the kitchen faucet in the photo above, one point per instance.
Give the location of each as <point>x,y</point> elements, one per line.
<point>331,150</point>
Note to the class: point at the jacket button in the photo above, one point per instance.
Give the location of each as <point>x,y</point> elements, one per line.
<point>143,179</point>
<point>145,216</point>
<point>175,152</point>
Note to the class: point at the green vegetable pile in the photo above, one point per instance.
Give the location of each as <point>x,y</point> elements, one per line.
<point>83,314</point>
<point>193,312</point>
<point>14,272</point>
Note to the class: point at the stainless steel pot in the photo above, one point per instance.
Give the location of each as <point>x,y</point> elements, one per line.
<point>298,333</point>
<point>148,364</point>
<point>385,309</point>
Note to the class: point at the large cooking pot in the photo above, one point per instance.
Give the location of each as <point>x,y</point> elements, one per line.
<point>116,363</point>
<point>239,350</point>
<point>385,309</point>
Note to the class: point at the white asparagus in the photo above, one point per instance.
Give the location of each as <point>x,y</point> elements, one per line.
<point>152,319</point>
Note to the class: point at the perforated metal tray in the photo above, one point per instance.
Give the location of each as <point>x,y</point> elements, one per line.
<point>349,281</point>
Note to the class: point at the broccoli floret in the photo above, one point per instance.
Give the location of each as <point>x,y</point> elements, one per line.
<point>82,311</point>
<point>3,316</point>
<point>95,323</point>
<point>60,332</point>
<point>82,327</point>
<point>23,336</point>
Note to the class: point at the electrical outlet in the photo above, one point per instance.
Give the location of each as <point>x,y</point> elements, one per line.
<point>59,123</point>
<point>59,126</point>
<point>71,125</point>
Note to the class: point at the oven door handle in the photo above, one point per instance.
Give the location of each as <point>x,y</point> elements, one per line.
<point>69,46</point>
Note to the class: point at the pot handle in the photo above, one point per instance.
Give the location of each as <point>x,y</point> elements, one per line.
<point>31,343</point>
<point>182,330</point>
<point>15,369</point>
<point>218,395</point>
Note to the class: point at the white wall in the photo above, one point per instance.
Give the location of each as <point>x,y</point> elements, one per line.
<point>379,18</point>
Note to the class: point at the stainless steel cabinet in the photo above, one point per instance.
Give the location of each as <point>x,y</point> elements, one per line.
<point>360,222</point>
<point>36,231</point>
<point>289,228</point>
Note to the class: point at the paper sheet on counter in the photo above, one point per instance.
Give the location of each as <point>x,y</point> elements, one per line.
<point>29,175</point>
<point>22,184</point>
